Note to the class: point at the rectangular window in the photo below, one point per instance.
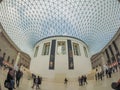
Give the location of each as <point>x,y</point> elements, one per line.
<point>46,48</point>
<point>76,49</point>
<point>36,51</point>
<point>86,54</point>
<point>61,48</point>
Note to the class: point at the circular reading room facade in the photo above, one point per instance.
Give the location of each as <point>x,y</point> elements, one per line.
<point>60,56</point>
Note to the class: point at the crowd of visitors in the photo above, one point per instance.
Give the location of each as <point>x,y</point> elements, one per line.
<point>13,75</point>
<point>108,71</point>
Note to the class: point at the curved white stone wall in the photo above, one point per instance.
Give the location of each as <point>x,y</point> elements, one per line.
<point>40,63</point>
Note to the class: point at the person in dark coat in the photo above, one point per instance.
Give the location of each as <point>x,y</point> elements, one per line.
<point>116,85</point>
<point>35,81</point>
<point>81,80</point>
<point>19,74</point>
<point>39,82</point>
<point>85,79</point>
<point>10,78</point>
<point>109,72</point>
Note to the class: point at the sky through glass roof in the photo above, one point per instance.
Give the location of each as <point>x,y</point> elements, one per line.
<point>93,21</point>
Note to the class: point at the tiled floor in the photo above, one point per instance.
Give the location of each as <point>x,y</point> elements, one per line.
<point>25,84</point>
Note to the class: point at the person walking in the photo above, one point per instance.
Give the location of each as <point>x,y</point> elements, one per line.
<point>65,81</point>
<point>39,82</point>
<point>35,82</point>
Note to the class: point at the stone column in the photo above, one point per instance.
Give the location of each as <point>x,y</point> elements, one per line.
<point>111,51</point>
<point>16,61</point>
<point>0,37</point>
<point>108,57</point>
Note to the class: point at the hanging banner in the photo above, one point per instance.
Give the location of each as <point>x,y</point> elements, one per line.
<point>52,55</point>
<point>70,55</point>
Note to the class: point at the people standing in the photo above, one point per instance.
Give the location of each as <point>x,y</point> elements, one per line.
<point>106,71</point>
<point>101,75</point>
<point>109,71</point>
<point>85,79</point>
<point>19,74</point>
<point>10,79</point>
<point>81,80</point>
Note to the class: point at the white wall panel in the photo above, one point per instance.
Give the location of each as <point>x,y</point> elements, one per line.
<point>40,64</point>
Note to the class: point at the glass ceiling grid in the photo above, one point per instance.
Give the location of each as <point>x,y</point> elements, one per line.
<point>92,21</point>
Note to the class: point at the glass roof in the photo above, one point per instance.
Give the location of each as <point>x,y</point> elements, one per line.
<point>93,21</point>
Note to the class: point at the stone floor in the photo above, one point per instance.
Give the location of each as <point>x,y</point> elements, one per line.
<point>26,84</point>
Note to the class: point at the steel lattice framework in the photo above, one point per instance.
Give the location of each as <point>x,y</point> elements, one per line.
<point>93,21</point>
